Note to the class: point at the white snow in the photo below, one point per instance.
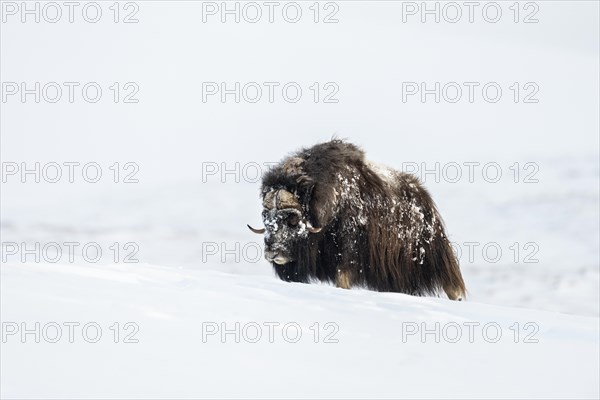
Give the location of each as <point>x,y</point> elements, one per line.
<point>386,173</point>
<point>367,350</point>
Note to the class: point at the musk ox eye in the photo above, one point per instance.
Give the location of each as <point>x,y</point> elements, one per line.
<point>293,220</point>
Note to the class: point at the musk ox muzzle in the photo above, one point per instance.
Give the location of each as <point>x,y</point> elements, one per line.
<point>285,226</point>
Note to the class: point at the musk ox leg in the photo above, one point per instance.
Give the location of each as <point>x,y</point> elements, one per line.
<point>343,279</point>
<point>454,293</point>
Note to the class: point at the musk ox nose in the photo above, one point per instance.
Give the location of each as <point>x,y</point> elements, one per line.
<point>270,254</point>
<point>273,256</point>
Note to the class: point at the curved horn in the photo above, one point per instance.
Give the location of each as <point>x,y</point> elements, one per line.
<point>259,231</point>
<point>313,230</point>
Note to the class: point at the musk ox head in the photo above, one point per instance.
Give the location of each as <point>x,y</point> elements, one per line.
<point>286,226</point>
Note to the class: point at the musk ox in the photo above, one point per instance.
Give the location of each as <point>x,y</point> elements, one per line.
<point>330,215</point>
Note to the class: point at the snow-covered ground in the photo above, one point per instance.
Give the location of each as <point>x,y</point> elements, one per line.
<point>325,342</point>
<point>199,270</point>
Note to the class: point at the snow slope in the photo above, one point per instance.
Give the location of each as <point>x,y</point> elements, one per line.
<point>367,356</point>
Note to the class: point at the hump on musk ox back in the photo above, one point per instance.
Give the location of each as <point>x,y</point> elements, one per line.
<point>371,226</point>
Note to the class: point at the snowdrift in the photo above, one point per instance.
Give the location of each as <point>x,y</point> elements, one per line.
<point>155,332</point>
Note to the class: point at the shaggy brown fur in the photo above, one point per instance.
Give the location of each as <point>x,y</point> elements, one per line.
<point>379,228</point>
